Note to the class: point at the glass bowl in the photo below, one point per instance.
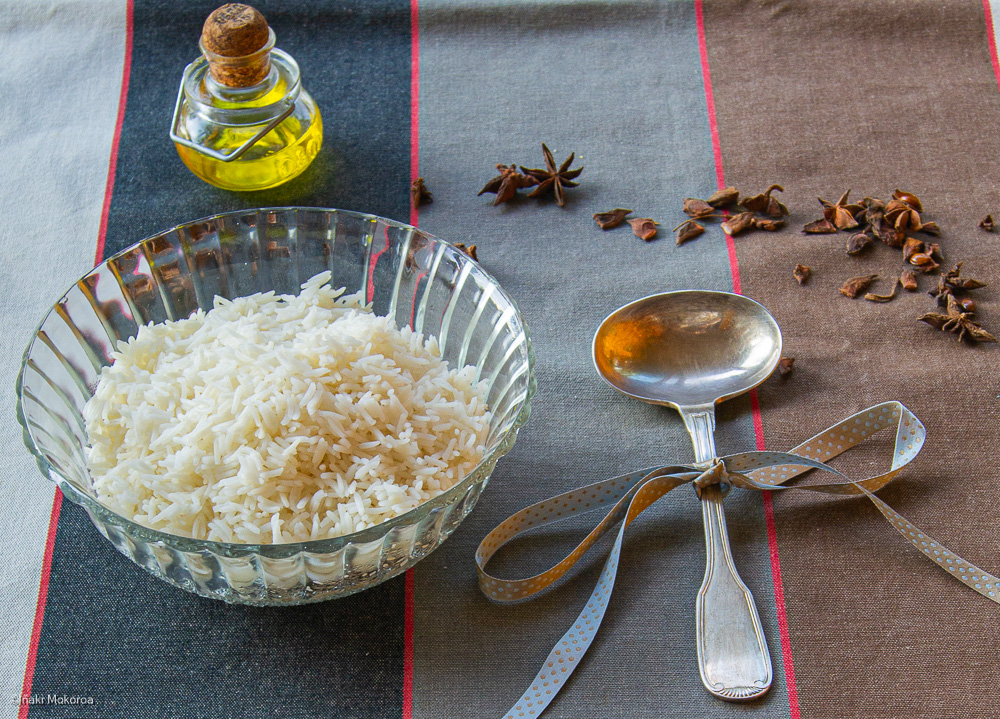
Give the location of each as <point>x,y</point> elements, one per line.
<point>406,274</point>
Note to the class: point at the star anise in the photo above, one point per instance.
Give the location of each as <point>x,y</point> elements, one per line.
<point>958,321</point>
<point>952,282</point>
<point>724,198</point>
<point>987,223</point>
<point>507,183</point>
<point>688,230</point>
<point>644,227</point>
<point>697,208</point>
<point>856,285</point>
<point>552,179</point>
<point>857,243</point>
<point>738,224</point>
<point>802,273</point>
<point>765,203</point>
<point>470,250</point>
<point>840,213</point>
<point>821,226</point>
<point>610,220</point>
<point>419,193</point>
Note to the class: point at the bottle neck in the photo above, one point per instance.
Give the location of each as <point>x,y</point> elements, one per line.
<point>245,71</point>
<point>249,105</point>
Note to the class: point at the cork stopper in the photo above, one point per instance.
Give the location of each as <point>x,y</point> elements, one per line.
<point>237,43</point>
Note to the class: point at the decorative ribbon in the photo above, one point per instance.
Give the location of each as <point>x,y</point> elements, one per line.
<point>629,495</point>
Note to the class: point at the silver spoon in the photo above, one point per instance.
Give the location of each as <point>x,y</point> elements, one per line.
<point>689,350</point>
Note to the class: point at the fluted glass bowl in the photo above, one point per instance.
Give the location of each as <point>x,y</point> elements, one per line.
<point>415,278</point>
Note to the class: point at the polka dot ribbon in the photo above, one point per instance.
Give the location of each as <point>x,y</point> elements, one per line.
<point>626,497</point>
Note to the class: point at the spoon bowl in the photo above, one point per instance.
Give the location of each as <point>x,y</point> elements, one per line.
<point>687,348</point>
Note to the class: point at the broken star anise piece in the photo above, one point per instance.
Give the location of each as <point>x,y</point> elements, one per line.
<point>957,321</point>
<point>760,223</point>
<point>951,282</point>
<point>609,220</point>
<point>785,366</point>
<point>688,230</point>
<point>872,297</point>
<point>553,179</point>
<point>419,193</point>
<point>724,198</point>
<point>644,228</point>
<point>507,183</point>
<point>801,273</point>
<point>470,250</point>
<point>856,285</point>
<point>765,203</point>
<point>987,223</point>
<point>697,208</point>
<point>840,213</point>
<point>909,198</point>
<point>857,243</point>
<point>911,247</point>
<point>821,226</point>
<point>908,280</point>
<point>738,224</point>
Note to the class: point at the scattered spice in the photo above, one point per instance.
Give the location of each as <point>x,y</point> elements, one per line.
<point>767,225</point>
<point>552,179</point>
<point>785,366</point>
<point>470,250</point>
<point>911,247</point>
<point>609,220</point>
<point>987,223</point>
<point>856,285</point>
<point>507,183</point>
<point>857,243</point>
<point>952,283</point>
<point>697,208</point>
<point>872,297</point>
<point>688,230</point>
<point>801,273</point>
<point>840,213</point>
<point>419,193</point>
<point>819,227</point>
<point>724,198</point>
<point>957,321</point>
<point>644,228</point>
<point>908,280</point>
<point>765,203</point>
<point>924,262</point>
<point>738,224</point>
<point>968,305</point>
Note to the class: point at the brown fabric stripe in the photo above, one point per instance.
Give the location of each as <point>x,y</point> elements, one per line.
<point>822,96</point>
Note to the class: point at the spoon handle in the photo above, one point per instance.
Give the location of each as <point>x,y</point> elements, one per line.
<point>733,658</point>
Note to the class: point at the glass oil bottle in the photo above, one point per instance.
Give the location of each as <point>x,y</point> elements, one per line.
<point>242,120</point>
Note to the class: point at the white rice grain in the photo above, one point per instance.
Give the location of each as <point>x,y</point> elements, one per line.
<point>281,419</point>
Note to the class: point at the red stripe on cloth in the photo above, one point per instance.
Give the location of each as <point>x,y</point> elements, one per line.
<point>50,540</point>
<point>408,648</point>
<point>113,161</point>
<point>414,101</point>
<point>43,593</point>
<point>992,40</point>
<point>713,128</point>
<point>408,602</point>
<point>758,425</point>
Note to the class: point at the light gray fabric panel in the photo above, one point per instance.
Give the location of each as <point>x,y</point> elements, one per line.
<point>621,85</point>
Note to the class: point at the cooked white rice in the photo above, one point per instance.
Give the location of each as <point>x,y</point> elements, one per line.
<point>280,419</point>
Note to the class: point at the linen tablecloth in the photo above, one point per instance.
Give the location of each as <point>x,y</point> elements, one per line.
<point>660,101</point>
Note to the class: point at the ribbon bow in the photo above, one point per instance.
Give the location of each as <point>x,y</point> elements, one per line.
<point>631,494</point>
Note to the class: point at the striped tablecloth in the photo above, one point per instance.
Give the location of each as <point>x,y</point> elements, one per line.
<point>661,100</point>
